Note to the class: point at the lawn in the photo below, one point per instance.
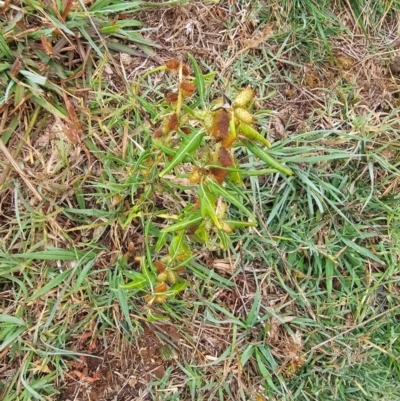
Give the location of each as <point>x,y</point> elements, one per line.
<point>199,200</point>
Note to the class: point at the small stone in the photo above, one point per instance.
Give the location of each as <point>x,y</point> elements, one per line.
<point>395,66</point>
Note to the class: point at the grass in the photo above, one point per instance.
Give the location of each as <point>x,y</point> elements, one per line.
<point>305,306</point>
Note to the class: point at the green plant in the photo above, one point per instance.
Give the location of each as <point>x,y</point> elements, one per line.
<point>195,143</point>
<point>47,54</point>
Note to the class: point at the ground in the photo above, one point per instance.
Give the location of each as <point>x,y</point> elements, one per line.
<point>303,306</point>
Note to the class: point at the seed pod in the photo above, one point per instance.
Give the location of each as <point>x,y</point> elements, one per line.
<point>172,277</point>
<point>221,210</point>
<point>158,133</point>
<point>165,260</point>
<point>204,155</point>
<point>172,122</point>
<point>131,247</point>
<point>159,266</point>
<point>162,277</point>
<point>186,130</point>
<point>208,121</point>
<point>218,174</point>
<point>171,97</point>
<point>172,64</point>
<point>226,227</point>
<point>244,115</point>
<point>184,119</point>
<point>162,287</point>
<point>208,224</point>
<point>160,299</point>
<point>228,140</point>
<point>244,97</point>
<point>185,70</point>
<point>195,177</point>
<point>220,127</point>
<point>149,298</point>
<point>224,157</point>
<point>196,203</point>
<point>187,88</point>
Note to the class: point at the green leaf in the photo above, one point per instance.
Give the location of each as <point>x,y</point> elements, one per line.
<point>12,126</point>
<point>362,251</point>
<point>202,234</point>
<point>240,224</point>
<point>190,144</point>
<point>265,157</point>
<point>155,317</point>
<point>92,44</point>
<point>207,203</point>
<point>177,288</point>
<point>178,247</point>
<point>57,23</point>
<point>199,79</point>
<point>4,49</point>
<point>51,108</point>
<point>125,23</point>
<point>249,132</point>
<point>229,197</point>
<point>54,254</point>
<point>121,48</point>
<point>135,37</point>
<point>12,320</point>
<point>192,220</point>
<point>161,241</point>
<point>50,285</point>
<point>253,314</point>
<point>11,338</point>
<point>329,271</point>
<point>33,77</point>
<point>4,66</point>
<point>264,371</point>
<point>241,171</point>
<point>139,282</point>
<point>246,354</point>
<point>115,8</point>
<point>164,148</point>
<point>99,5</point>
<point>150,277</point>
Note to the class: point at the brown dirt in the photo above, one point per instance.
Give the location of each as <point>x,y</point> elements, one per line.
<point>121,371</point>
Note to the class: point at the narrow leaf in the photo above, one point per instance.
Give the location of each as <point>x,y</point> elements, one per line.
<point>249,132</point>
<point>119,47</point>
<point>12,320</point>
<point>4,49</point>
<point>53,254</point>
<point>240,224</point>
<point>265,157</point>
<point>362,251</point>
<point>161,241</point>
<point>117,8</point>
<point>329,271</point>
<point>139,282</point>
<point>200,83</point>
<point>207,203</point>
<point>50,285</point>
<point>190,144</point>
<point>182,225</point>
<point>33,77</point>
<point>229,197</point>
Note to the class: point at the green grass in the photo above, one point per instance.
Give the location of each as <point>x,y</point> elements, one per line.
<point>317,279</point>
